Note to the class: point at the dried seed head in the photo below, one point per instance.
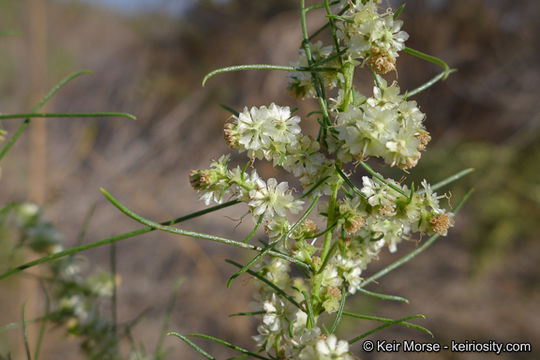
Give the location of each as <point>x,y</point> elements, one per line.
<point>199,179</point>
<point>386,209</point>
<point>410,162</point>
<point>354,224</point>
<point>380,61</point>
<point>333,292</point>
<point>424,138</point>
<point>310,226</point>
<point>441,223</point>
<point>229,133</point>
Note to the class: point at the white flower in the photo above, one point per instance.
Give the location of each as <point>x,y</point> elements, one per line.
<point>330,276</point>
<point>271,318</point>
<point>278,272</point>
<point>431,199</point>
<point>253,128</point>
<point>332,349</point>
<point>303,157</point>
<point>285,128</point>
<point>265,132</point>
<point>368,33</point>
<point>354,279</point>
<point>273,199</point>
<point>385,97</point>
<point>377,193</point>
<point>409,110</point>
<point>403,146</point>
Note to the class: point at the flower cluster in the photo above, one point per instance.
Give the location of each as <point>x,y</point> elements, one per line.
<point>269,199</point>
<point>360,221</point>
<point>385,125</point>
<point>75,296</point>
<point>374,37</point>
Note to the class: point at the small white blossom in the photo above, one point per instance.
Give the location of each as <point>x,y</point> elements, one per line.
<point>372,36</point>
<point>377,192</point>
<point>332,349</point>
<point>264,131</point>
<point>273,199</point>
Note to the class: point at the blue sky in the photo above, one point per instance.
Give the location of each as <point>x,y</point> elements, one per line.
<point>137,6</point>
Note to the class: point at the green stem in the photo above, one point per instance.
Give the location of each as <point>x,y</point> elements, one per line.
<point>322,28</point>
<point>432,59</point>
<point>259,67</point>
<point>320,6</point>
<point>196,235</point>
<point>386,320</point>
<point>167,319</point>
<point>430,83</point>
<point>25,333</point>
<point>46,98</point>
<point>113,239</point>
<point>330,220</point>
<point>327,244</point>
<point>448,180</point>
<point>349,76</point>
<point>388,324</point>
<point>319,86</point>
<point>333,28</point>
<point>65,115</point>
<point>114,308</point>
<point>381,179</point>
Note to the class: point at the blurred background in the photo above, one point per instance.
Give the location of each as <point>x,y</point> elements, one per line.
<point>481,283</point>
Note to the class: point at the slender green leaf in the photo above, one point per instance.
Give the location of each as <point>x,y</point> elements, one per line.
<point>190,343</point>
<point>349,182</point>
<point>230,109</point>
<point>110,240</point>
<point>309,309</point>
<point>254,231</point>
<point>229,345</point>
<point>432,59</point>
<point>383,180</point>
<point>339,314</point>
<point>248,313</point>
<point>193,234</point>
<point>386,320</point>
<point>167,319</point>
<point>383,296</point>
<point>399,10</point>
<point>384,326</point>
<point>43,323</point>
<point>249,67</point>
<point>428,84</point>
<point>448,180</point>
<point>114,305</point>
<point>314,187</point>
<point>46,98</point>
<point>267,282</point>
<point>25,333</point>
<point>66,115</point>
<point>320,6</point>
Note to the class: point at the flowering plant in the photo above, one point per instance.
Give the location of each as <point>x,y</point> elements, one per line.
<point>309,266</point>
<point>357,222</point>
